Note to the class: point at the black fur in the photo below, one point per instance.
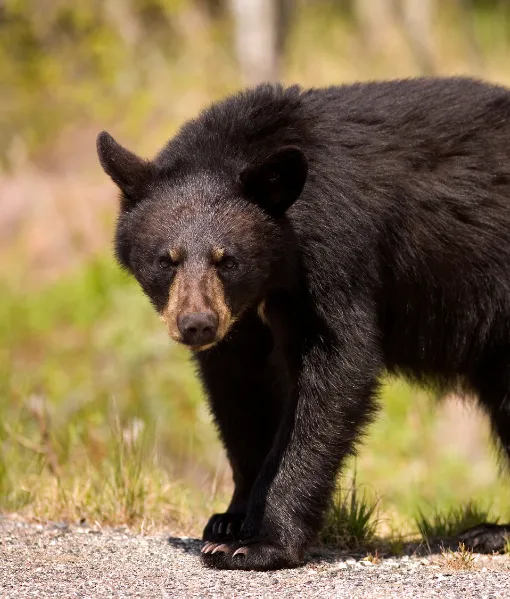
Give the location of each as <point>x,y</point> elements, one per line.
<point>394,257</point>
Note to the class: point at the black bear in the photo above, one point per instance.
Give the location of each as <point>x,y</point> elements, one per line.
<point>304,242</point>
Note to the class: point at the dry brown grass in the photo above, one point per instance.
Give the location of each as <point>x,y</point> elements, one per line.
<point>460,560</point>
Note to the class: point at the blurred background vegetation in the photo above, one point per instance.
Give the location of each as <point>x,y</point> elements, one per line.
<point>101,417</point>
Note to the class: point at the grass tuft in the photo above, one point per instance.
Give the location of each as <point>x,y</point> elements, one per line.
<point>462,559</point>
<point>127,487</point>
<point>443,524</point>
<point>352,519</point>
<point>373,558</point>
<point>395,545</point>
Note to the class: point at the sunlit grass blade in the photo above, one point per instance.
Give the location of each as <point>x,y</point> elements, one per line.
<point>442,524</point>
<point>352,518</point>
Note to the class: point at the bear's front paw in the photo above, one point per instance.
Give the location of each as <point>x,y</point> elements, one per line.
<point>254,554</point>
<point>223,527</point>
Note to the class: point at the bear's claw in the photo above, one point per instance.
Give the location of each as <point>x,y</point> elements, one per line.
<point>249,555</point>
<point>223,527</point>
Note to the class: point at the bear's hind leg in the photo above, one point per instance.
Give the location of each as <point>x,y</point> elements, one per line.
<point>486,538</point>
<point>495,398</point>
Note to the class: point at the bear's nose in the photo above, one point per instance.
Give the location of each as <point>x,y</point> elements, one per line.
<point>198,328</point>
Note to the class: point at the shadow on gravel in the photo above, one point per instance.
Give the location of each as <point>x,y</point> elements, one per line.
<point>186,544</point>
<point>480,537</point>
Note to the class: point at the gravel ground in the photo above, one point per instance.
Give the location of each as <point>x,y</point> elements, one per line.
<point>60,561</point>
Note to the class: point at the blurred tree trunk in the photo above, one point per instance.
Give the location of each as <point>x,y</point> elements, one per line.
<point>214,8</point>
<point>377,20</point>
<point>260,30</point>
<point>417,17</point>
<point>466,10</point>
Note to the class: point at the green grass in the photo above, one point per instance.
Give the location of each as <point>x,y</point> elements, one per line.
<point>396,545</point>
<point>103,418</point>
<point>125,488</point>
<point>443,524</point>
<point>85,366</point>
<point>420,453</point>
<point>352,518</point>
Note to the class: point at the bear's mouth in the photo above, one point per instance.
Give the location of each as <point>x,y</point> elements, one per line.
<point>204,347</point>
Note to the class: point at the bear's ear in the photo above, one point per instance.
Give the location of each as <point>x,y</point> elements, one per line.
<point>126,169</point>
<point>276,183</point>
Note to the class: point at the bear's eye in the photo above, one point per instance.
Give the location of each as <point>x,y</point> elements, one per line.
<point>228,263</point>
<point>273,177</point>
<point>165,262</point>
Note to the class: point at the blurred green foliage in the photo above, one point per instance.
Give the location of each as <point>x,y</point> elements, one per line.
<point>99,414</point>
<point>65,64</point>
<point>92,347</point>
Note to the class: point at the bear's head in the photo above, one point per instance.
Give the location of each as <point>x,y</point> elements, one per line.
<point>205,239</point>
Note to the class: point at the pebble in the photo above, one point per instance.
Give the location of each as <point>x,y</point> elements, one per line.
<point>58,561</point>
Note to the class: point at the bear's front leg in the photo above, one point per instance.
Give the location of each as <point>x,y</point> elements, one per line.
<point>336,386</point>
<point>246,399</point>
